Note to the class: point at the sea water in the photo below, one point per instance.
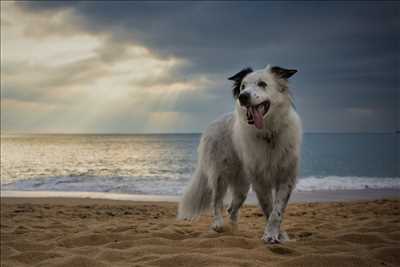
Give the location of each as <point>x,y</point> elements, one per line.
<point>162,164</point>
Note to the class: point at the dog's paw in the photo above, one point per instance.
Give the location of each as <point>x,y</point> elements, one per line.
<point>273,238</point>
<point>270,239</point>
<point>217,226</point>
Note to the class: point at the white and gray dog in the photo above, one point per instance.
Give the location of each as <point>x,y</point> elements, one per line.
<point>257,145</point>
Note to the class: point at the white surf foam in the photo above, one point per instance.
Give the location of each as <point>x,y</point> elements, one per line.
<point>132,185</point>
<point>334,183</point>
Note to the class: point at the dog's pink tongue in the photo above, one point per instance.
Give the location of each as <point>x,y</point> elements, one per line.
<point>258,118</point>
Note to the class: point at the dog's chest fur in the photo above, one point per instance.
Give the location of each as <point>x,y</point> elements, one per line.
<point>263,154</point>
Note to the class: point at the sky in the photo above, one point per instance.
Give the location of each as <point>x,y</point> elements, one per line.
<point>162,67</point>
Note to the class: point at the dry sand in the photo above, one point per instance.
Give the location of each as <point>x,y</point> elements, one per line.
<point>84,232</point>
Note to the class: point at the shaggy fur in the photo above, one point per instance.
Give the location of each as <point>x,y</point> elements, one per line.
<point>234,154</point>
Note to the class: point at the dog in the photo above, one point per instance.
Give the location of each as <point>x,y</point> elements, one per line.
<point>257,145</point>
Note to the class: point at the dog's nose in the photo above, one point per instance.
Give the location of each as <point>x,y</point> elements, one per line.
<point>244,99</point>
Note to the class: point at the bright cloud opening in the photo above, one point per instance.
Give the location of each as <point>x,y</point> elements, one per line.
<point>83,80</point>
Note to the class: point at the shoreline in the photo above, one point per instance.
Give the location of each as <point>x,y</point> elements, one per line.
<point>297,196</point>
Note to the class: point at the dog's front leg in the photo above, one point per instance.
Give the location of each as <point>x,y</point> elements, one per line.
<point>264,196</point>
<point>272,233</point>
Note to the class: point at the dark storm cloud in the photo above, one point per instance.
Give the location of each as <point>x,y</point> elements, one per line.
<point>347,53</point>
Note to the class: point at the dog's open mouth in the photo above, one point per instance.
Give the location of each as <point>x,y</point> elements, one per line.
<point>255,114</point>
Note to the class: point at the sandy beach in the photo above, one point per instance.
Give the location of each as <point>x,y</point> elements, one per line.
<point>89,232</point>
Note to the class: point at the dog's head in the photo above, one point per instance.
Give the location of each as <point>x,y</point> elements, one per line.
<point>261,93</point>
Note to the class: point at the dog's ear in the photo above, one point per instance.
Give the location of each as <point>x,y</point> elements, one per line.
<point>237,80</point>
<point>282,73</point>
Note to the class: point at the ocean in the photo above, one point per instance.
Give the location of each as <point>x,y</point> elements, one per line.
<point>162,164</point>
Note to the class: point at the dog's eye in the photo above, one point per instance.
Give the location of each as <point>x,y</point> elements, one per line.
<point>243,86</point>
<point>262,84</point>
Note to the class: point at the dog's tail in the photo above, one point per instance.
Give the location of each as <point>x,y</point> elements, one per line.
<point>196,198</point>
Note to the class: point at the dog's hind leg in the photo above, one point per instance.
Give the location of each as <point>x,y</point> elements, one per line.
<point>239,190</point>
<point>218,193</point>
